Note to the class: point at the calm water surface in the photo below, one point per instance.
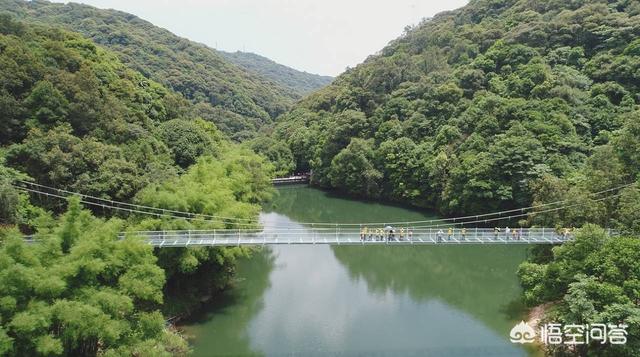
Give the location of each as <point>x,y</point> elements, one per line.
<point>362,301</point>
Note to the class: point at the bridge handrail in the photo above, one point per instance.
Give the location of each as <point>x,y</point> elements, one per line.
<point>302,235</point>
<point>341,229</point>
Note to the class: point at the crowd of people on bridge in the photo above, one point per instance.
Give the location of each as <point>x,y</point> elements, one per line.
<point>389,233</point>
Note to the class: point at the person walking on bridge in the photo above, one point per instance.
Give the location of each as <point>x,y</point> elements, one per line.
<point>450,233</point>
<point>389,233</point>
<point>463,233</point>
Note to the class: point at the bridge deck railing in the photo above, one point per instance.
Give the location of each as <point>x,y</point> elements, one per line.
<point>338,235</point>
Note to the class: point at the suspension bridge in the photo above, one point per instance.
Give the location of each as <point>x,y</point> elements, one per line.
<point>349,236</point>
<point>251,232</point>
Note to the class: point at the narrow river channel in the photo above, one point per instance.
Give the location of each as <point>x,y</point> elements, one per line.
<point>363,300</point>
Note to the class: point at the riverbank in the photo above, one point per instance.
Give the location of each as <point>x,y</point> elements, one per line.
<point>537,314</point>
<point>535,318</point>
<point>185,294</point>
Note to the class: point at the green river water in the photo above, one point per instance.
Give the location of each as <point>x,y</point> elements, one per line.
<point>363,300</point>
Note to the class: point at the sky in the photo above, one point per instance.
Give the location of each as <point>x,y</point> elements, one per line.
<point>317,36</point>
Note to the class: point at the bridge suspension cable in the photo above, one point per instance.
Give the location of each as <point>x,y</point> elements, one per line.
<point>160,212</point>
<point>461,223</point>
<point>112,202</point>
<point>130,210</point>
<point>498,213</point>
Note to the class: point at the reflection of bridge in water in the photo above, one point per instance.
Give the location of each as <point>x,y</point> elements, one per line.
<point>349,236</point>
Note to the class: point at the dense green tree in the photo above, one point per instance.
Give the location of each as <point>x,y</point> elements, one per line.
<point>627,144</point>
<point>9,196</point>
<point>82,292</point>
<point>353,169</point>
<point>230,186</point>
<point>277,152</point>
<point>46,103</point>
<point>628,213</point>
<point>77,118</point>
<point>186,140</point>
<point>398,160</point>
<point>593,279</point>
<point>58,158</point>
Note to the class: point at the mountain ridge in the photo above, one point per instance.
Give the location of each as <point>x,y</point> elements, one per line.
<point>301,82</point>
<point>237,100</point>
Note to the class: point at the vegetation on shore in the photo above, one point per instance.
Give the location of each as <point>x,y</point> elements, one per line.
<point>592,280</point>
<point>81,292</point>
<point>75,118</point>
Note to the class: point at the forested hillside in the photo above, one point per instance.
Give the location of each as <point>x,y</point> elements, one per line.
<point>75,118</point>
<point>499,104</point>
<point>236,100</point>
<point>299,82</point>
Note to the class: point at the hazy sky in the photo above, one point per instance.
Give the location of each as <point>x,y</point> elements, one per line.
<point>318,36</point>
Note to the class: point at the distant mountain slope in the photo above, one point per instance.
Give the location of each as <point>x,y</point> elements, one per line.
<point>300,82</point>
<point>237,100</point>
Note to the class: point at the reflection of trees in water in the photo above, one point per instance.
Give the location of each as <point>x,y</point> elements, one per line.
<point>222,325</point>
<point>304,204</point>
<point>478,280</point>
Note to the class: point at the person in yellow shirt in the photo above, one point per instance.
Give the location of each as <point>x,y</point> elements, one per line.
<point>463,232</point>
<point>450,233</point>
